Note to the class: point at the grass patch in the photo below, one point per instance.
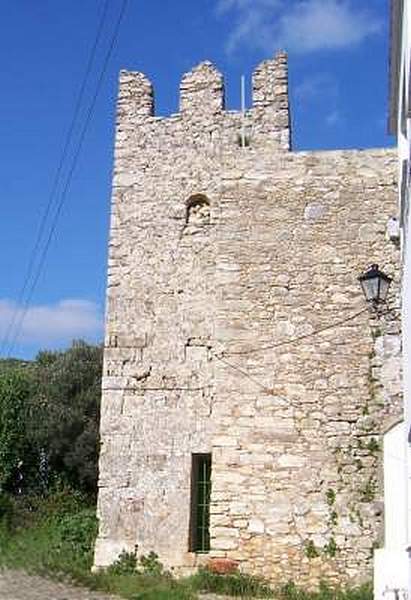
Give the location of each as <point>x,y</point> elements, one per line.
<point>325,592</point>
<point>238,584</point>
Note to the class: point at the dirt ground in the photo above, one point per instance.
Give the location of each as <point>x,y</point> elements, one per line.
<point>15,585</point>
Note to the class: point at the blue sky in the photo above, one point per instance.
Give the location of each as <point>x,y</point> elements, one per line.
<point>338,81</point>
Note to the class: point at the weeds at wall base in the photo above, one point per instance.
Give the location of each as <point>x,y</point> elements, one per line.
<point>55,536</point>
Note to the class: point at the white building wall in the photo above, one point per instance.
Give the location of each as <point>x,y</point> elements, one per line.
<point>404,163</point>
<point>395,488</point>
<point>390,562</point>
<point>404,150</point>
<point>392,566</point>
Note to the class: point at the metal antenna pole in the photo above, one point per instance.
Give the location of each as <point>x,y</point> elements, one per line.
<point>242,111</point>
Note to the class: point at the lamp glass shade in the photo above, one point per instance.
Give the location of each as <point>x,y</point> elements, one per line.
<point>384,287</point>
<point>375,285</point>
<point>370,288</point>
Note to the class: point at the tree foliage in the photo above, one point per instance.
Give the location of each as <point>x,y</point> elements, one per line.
<point>14,397</point>
<point>50,417</point>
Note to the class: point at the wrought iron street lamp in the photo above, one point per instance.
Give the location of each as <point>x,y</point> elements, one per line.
<point>375,285</point>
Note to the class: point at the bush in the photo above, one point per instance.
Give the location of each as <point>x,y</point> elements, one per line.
<point>237,584</point>
<point>325,592</point>
<point>125,564</point>
<point>49,421</point>
<point>150,565</point>
<point>6,511</point>
<point>64,419</point>
<point>77,531</point>
<point>14,446</point>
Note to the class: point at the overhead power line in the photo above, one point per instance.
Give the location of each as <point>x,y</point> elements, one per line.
<point>56,180</point>
<point>66,187</point>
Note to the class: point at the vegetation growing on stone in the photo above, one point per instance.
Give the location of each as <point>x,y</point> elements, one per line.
<point>330,496</point>
<point>373,446</point>
<point>331,548</point>
<point>311,550</point>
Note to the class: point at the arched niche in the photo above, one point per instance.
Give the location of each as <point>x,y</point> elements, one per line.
<point>198,211</point>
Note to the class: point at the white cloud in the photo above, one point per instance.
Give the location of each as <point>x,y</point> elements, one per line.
<point>317,91</point>
<point>225,5</point>
<point>298,25</point>
<point>254,21</point>
<point>319,85</point>
<point>56,324</point>
<point>334,118</point>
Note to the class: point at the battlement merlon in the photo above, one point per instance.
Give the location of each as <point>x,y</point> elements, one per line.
<point>202,98</point>
<point>135,101</point>
<point>202,91</point>
<point>270,82</point>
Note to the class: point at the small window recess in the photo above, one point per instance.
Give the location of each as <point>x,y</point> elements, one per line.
<point>244,138</point>
<point>198,210</point>
<point>199,540</point>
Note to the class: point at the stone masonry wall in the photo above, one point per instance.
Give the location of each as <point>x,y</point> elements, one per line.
<point>220,256</point>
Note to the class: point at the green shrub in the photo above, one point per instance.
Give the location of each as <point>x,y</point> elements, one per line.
<point>325,592</point>
<point>6,512</point>
<point>14,446</point>
<point>150,565</point>
<point>363,592</point>
<point>124,565</point>
<point>64,417</point>
<point>77,531</point>
<point>49,420</point>
<point>373,446</point>
<point>62,499</point>
<point>237,584</point>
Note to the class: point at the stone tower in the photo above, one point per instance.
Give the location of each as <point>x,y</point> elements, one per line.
<point>246,387</point>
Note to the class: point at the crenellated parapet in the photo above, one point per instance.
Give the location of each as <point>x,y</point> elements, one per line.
<point>202,106</point>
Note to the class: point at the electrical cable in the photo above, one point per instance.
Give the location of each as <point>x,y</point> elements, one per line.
<point>298,338</point>
<point>69,176</point>
<point>57,176</point>
<point>221,356</point>
<point>242,372</point>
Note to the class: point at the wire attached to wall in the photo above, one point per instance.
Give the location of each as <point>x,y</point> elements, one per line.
<point>298,338</point>
<point>242,372</point>
<point>221,356</point>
